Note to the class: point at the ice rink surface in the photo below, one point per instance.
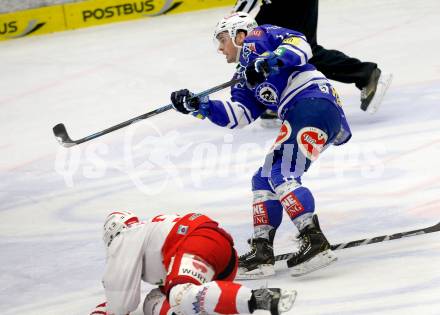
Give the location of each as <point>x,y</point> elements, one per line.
<point>54,200</point>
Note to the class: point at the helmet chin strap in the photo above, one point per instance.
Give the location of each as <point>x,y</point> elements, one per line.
<point>237,57</point>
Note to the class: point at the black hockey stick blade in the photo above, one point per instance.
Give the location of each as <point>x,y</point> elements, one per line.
<point>63,138</point>
<point>377,239</point>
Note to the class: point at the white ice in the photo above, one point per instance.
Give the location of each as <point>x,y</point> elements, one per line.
<point>54,200</point>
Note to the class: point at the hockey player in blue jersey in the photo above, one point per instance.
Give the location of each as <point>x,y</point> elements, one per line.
<point>273,63</point>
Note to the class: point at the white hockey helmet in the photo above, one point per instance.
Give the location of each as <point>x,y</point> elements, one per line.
<point>239,21</point>
<point>116,222</point>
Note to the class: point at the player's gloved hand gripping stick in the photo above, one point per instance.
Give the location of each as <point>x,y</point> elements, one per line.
<point>63,138</point>
<point>257,71</point>
<point>262,67</point>
<point>187,102</point>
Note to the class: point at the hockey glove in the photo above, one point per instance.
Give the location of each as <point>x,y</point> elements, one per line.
<point>184,102</point>
<point>262,67</point>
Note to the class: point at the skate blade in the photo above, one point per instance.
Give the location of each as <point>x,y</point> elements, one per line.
<point>261,272</point>
<point>382,86</point>
<point>317,262</point>
<point>287,299</point>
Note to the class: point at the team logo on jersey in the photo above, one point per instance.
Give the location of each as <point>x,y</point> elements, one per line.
<point>311,141</point>
<point>267,93</point>
<point>194,267</point>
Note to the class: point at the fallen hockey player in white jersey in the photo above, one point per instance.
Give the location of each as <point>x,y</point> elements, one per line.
<point>191,260</point>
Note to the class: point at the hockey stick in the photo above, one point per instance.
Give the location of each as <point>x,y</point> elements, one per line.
<point>63,138</point>
<point>377,239</point>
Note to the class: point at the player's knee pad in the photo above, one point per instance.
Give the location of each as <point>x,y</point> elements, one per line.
<point>295,199</point>
<point>156,303</point>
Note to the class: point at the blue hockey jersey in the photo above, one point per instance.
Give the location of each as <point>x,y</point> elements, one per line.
<point>295,80</point>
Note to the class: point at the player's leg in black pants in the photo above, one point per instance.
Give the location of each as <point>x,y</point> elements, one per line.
<point>337,66</point>
<point>302,16</point>
<point>298,15</point>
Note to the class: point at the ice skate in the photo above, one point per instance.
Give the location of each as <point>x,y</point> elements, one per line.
<point>373,93</point>
<point>314,252</point>
<point>274,300</point>
<point>258,262</point>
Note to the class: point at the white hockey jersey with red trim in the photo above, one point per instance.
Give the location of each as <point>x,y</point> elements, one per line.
<point>134,255</point>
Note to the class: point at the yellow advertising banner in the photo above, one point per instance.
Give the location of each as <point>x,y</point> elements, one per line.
<point>32,22</point>
<point>93,12</point>
<point>97,12</point>
<point>193,5</point>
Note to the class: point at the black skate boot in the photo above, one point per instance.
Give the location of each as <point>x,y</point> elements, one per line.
<point>373,93</point>
<point>276,301</point>
<point>314,252</point>
<point>259,262</point>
